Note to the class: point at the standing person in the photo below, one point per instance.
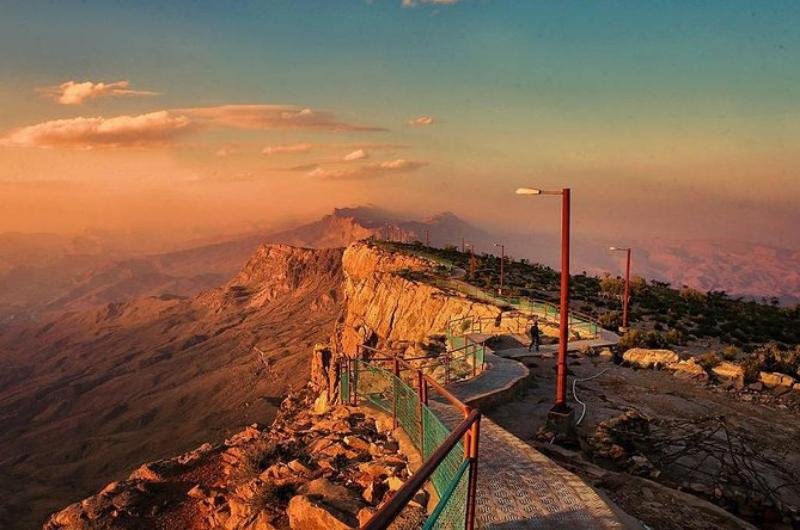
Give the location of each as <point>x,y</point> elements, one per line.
<point>534,331</point>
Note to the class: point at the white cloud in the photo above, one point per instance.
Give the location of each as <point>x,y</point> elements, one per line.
<point>358,154</point>
<point>367,171</point>
<point>286,149</point>
<point>161,126</point>
<point>272,117</point>
<point>144,129</point>
<point>76,92</point>
<point>422,120</point>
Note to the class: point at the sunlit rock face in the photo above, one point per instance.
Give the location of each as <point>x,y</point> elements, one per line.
<point>383,306</point>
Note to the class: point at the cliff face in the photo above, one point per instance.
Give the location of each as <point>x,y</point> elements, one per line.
<point>95,393</point>
<point>383,307</point>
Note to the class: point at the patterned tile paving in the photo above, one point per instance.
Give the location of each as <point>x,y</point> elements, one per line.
<point>518,487</point>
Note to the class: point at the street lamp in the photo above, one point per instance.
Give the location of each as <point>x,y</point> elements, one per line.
<point>626,295</point>
<point>471,258</point>
<point>502,260</point>
<point>560,408</point>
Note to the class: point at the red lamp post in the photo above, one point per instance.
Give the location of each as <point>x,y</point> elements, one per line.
<point>626,296</point>
<point>502,262</point>
<point>560,406</point>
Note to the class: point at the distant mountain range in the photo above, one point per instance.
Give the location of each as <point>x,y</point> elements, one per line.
<point>42,274</point>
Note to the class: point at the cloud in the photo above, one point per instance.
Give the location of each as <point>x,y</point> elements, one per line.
<point>272,117</point>
<point>162,126</point>
<point>368,171</point>
<point>145,129</point>
<point>422,120</point>
<point>413,3</point>
<point>76,92</point>
<point>358,154</point>
<point>224,152</point>
<point>286,149</point>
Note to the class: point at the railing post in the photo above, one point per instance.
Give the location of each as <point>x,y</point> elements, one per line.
<point>394,391</point>
<point>472,487</point>
<point>354,379</point>
<point>422,403</point>
<point>474,359</point>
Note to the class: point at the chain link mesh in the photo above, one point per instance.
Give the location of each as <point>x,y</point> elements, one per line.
<point>393,395</point>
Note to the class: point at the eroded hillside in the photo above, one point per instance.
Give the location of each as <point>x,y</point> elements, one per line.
<point>91,395</point>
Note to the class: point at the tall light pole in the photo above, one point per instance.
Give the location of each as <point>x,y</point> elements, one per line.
<point>627,291</point>
<point>502,260</point>
<point>427,237</point>
<point>463,245</point>
<point>471,259</point>
<point>560,407</point>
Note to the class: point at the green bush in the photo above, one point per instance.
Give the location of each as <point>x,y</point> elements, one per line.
<point>709,360</point>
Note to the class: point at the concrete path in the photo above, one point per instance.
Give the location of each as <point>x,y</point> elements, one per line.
<point>518,487</point>
<point>605,338</point>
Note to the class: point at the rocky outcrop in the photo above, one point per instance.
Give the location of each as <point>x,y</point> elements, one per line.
<point>689,369</point>
<point>276,271</point>
<point>645,358</point>
<point>305,471</point>
<point>385,304</point>
<point>729,373</point>
<point>776,379</point>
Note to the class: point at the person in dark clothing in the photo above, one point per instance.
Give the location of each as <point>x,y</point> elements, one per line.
<point>534,331</point>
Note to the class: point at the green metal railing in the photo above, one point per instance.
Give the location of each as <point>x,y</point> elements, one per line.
<point>581,325</point>
<point>451,462</point>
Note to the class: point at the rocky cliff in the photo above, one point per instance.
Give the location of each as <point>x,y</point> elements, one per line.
<point>316,464</point>
<point>384,305</point>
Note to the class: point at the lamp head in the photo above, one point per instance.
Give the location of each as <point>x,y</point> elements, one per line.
<point>528,191</point>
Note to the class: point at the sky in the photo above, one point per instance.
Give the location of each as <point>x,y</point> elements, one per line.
<point>666,119</point>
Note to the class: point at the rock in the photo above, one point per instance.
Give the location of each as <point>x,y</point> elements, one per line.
<point>645,358</point>
<point>758,386</point>
<point>298,467</point>
<point>394,483</point>
<point>730,372</point>
<point>358,444</point>
<point>320,404</point>
<point>689,369</point>
<point>305,513</point>
<point>364,515</point>
<point>606,355</point>
<point>776,379</point>
<point>197,492</point>
<point>334,495</point>
<point>796,387</point>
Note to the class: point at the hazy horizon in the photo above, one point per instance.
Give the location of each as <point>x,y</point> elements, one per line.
<point>204,120</point>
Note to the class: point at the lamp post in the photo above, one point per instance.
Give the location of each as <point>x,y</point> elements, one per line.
<point>427,237</point>
<point>471,259</point>
<point>627,291</point>
<point>560,407</point>
<point>502,260</point>
<point>463,245</point>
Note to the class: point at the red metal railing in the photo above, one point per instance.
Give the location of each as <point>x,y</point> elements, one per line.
<point>467,430</point>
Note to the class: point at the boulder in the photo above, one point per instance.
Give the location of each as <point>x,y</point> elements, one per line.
<point>689,369</point>
<point>646,358</point>
<point>605,355</point>
<point>776,379</point>
<point>730,372</point>
<point>307,513</point>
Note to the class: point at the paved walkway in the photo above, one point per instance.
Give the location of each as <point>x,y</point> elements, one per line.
<point>518,487</point>
<point>604,338</point>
